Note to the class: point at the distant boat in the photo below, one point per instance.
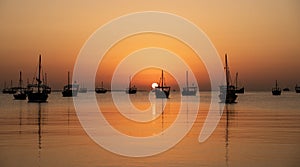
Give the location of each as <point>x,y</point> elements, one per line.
<point>276,90</point>
<point>162,91</point>
<point>82,89</point>
<point>227,92</point>
<point>101,89</point>
<point>286,89</point>
<point>20,93</point>
<point>131,89</point>
<point>237,89</point>
<point>297,89</point>
<point>70,90</point>
<point>37,92</point>
<point>10,90</point>
<point>189,91</point>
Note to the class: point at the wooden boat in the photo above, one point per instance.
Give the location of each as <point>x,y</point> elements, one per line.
<point>276,91</point>
<point>227,92</point>
<point>189,91</point>
<point>21,93</point>
<point>101,89</point>
<point>237,89</point>
<point>162,91</point>
<point>70,90</point>
<point>297,89</point>
<point>131,89</point>
<point>37,92</point>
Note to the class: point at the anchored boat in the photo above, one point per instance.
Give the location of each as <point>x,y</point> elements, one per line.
<point>227,92</point>
<point>162,91</point>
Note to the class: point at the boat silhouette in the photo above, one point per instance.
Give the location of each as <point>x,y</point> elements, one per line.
<point>131,89</point>
<point>227,92</point>
<point>70,90</point>
<point>37,92</point>
<point>82,89</point>
<point>162,91</point>
<point>101,89</point>
<point>20,93</point>
<point>10,90</point>
<point>276,91</point>
<point>189,90</point>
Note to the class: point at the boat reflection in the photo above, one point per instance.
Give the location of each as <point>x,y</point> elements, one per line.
<point>230,115</point>
<point>39,129</point>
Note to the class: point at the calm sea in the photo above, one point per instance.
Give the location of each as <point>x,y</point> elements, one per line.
<point>259,130</point>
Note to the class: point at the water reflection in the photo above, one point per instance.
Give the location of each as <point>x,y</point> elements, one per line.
<point>39,130</point>
<point>230,115</point>
<point>20,117</point>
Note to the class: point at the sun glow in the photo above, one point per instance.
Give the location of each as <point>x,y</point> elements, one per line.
<point>154,85</point>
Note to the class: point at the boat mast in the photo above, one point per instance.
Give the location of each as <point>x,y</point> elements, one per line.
<point>162,78</point>
<point>20,80</point>
<point>236,80</point>
<point>102,84</point>
<point>276,85</point>
<point>68,79</point>
<point>227,70</point>
<point>187,80</point>
<point>39,75</point>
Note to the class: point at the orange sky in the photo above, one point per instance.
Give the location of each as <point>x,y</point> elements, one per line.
<point>262,38</point>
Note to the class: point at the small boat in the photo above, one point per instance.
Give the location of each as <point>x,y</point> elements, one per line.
<point>297,89</point>
<point>37,92</point>
<point>189,91</point>
<point>101,89</point>
<point>10,90</point>
<point>82,89</point>
<point>276,91</point>
<point>131,89</point>
<point>237,89</point>
<point>227,92</point>
<point>70,90</point>
<point>21,93</point>
<point>286,89</point>
<point>162,91</point>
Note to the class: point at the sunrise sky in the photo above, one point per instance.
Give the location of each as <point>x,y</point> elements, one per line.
<point>261,38</point>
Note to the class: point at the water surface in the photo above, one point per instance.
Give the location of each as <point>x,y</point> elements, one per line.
<point>260,130</point>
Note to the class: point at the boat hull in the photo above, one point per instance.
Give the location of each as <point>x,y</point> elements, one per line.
<point>240,91</point>
<point>162,92</point>
<point>227,95</point>
<point>82,90</point>
<point>20,96</point>
<point>100,90</point>
<point>69,93</point>
<point>70,90</point>
<point>276,92</point>
<point>131,91</point>
<point>188,93</point>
